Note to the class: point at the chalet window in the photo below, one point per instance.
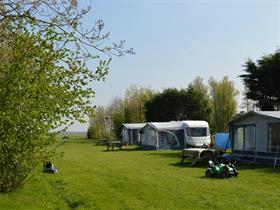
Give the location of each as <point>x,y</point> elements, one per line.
<point>274,138</point>
<point>245,138</point>
<point>249,142</point>
<point>238,138</point>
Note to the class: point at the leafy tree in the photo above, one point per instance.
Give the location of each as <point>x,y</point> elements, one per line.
<point>223,96</point>
<point>97,121</point>
<point>116,116</point>
<point>199,106</point>
<point>261,80</point>
<point>118,119</point>
<point>185,104</point>
<point>107,121</point>
<point>165,106</point>
<point>135,98</point>
<point>93,133</point>
<point>127,110</point>
<point>44,50</point>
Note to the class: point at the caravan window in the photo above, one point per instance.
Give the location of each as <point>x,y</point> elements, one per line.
<point>197,132</point>
<point>249,143</point>
<point>239,138</point>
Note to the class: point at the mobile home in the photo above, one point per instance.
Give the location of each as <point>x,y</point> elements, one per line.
<point>255,136</point>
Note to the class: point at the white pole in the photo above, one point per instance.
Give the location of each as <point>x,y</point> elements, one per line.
<point>277,150</point>
<point>157,146</point>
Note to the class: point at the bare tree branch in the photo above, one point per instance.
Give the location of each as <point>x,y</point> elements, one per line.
<point>66,18</point>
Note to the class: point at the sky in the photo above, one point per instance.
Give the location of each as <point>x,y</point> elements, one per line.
<point>176,41</point>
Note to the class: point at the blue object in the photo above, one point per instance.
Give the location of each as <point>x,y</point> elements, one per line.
<point>222,141</point>
<point>227,156</point>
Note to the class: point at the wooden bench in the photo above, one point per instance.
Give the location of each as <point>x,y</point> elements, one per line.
<point>101,142</point>
<point>112,144</point>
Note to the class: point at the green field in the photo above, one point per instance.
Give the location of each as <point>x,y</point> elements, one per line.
<point>91,178</point>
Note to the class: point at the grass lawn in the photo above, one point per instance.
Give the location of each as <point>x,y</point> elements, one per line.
<point>91,178</point>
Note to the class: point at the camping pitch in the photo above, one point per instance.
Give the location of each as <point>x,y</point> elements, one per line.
<point>163,135</point>
<point>255,137</point>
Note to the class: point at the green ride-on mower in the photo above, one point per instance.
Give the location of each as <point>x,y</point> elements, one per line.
<point>222,170</point>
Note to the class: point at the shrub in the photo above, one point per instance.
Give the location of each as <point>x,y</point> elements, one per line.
<point>92,133</point>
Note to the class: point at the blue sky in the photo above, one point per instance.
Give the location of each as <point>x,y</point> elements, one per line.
<point>176,41</point>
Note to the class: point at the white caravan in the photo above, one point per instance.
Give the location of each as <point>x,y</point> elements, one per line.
<point>197,133</point>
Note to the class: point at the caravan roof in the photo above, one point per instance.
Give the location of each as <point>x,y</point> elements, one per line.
<point>172,125</point>
<point>134,125</point>
<point>195,123</point>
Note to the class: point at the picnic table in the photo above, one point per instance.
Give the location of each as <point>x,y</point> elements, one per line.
<point>197,154</point>
<point>112,144</point>
<point>101,142</point>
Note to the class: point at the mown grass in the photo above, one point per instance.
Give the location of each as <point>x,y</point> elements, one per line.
<point>91,178</point>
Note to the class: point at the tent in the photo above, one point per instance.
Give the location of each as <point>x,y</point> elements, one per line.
<point>255,137</point>
<point>163,135</point>
<point>222,141</point>
<point>130,132</point>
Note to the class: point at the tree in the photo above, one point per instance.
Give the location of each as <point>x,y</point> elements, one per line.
<point>96,129</point>
<point>261,80</point>
<point>116,117</point>
<point>223,96</point>
<point>91,132</point>
<point>107,121</point>
<point>165,106</point>
<point>131,109</point>
<point>185,104</point>
<point>135,98</point>
<point>200,106</point>
<point>44,50</point>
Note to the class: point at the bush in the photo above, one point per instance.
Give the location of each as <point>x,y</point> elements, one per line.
<point>92,133</point>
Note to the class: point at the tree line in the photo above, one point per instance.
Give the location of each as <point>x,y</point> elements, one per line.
<point>215,103</point>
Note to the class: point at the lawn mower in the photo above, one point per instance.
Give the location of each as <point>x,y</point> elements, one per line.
<point>222,170</point>
<point>48,167</point>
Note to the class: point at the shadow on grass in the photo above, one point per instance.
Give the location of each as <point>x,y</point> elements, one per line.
<point>134,149</point>
<point>187,164</point>
<point>176,156</point>
<point>71,141</point>
<point>166,154</point>
<point>73,201</point>
<point>240,166</point>
<point>114,150</point>
<point>131,149</point>
<point>258,167</point>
